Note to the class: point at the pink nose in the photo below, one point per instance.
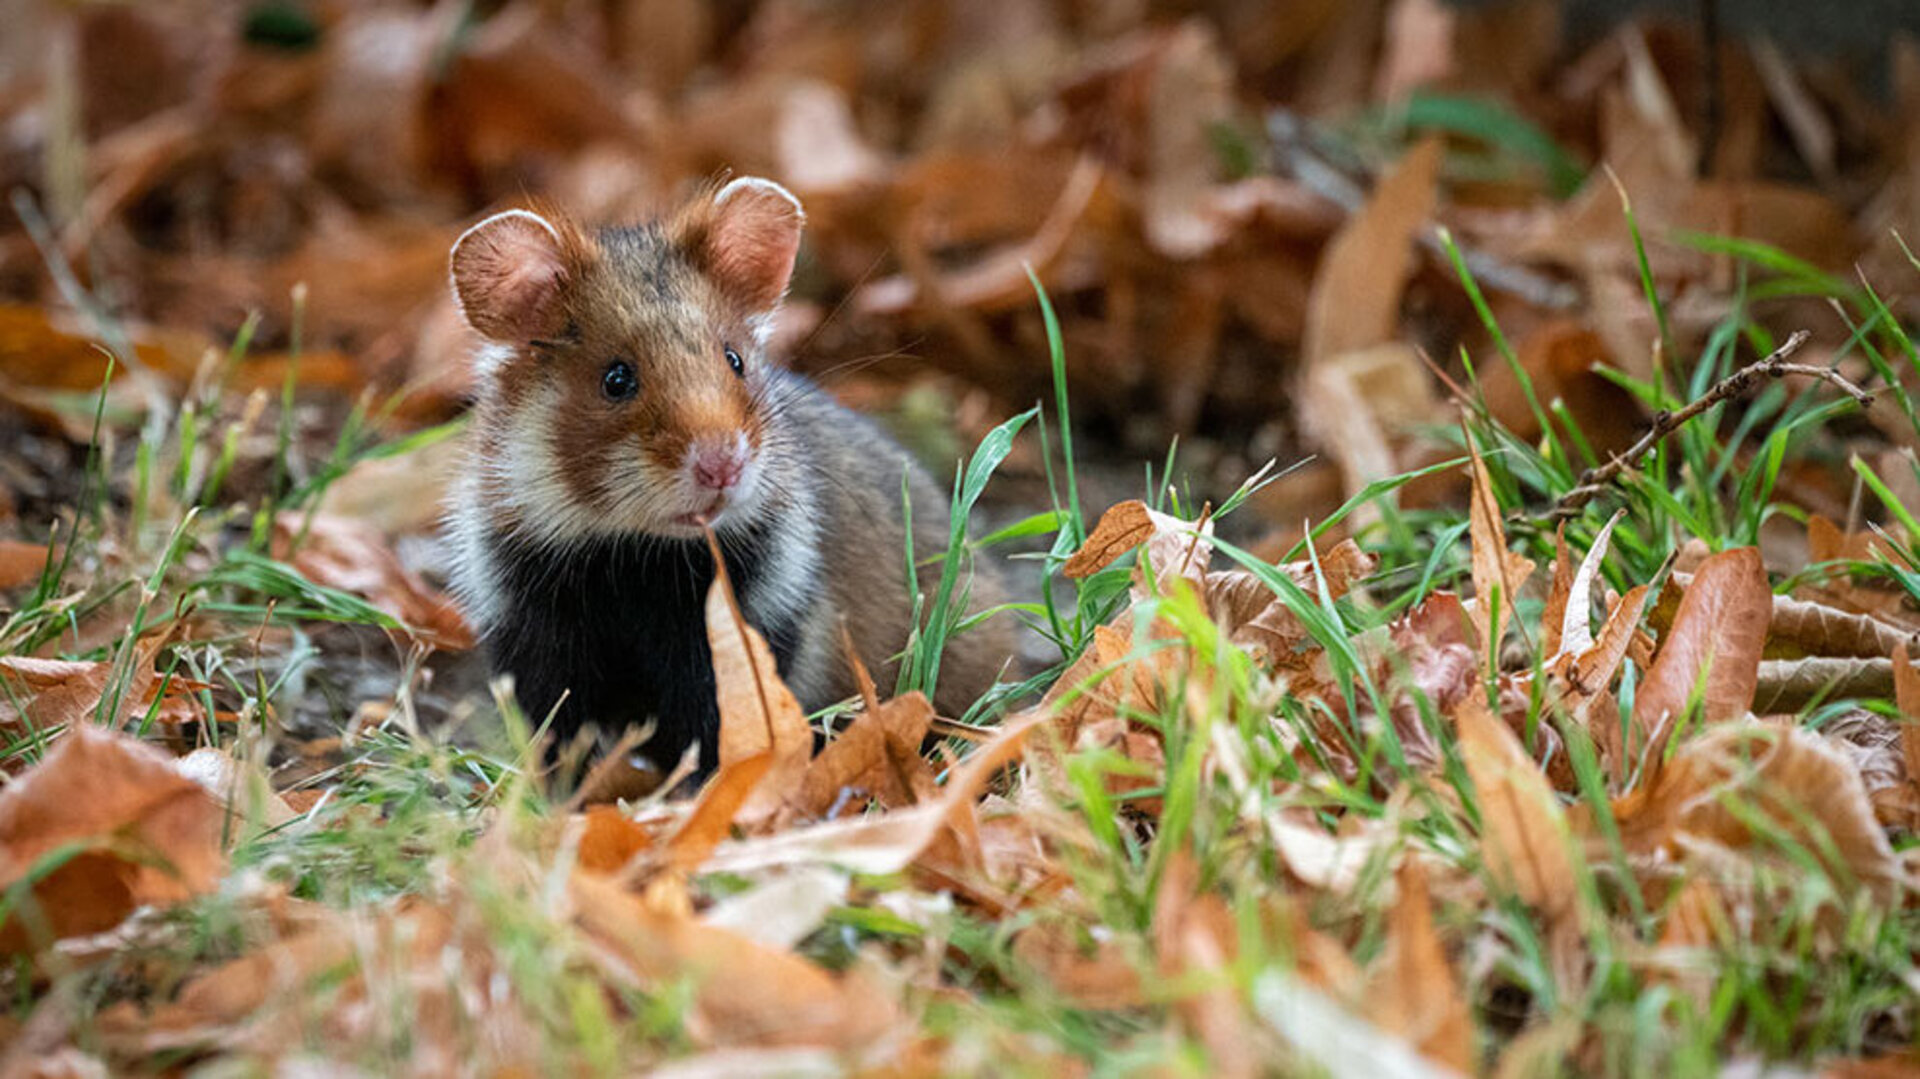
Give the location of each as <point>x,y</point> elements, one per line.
<point>718,468</point>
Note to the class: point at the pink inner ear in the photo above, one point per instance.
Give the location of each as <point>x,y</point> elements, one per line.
<point>508,273</point>
<point>752,241</point>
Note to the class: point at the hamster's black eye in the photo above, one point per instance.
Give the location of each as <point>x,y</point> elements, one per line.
<point>734,361</point>
<point>619,382</point>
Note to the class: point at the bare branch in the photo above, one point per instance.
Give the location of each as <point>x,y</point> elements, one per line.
<point>1596,480</point>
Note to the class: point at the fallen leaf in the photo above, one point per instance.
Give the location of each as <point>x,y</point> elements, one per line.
<point>743,993</point>
<point>1740,784</point>
<point>354,557</point>
<point>1715,645</point>
<point>21,563</point>
<point>1412,989</point>
<point>1524,828</point>
<point>609,839</point>
<point>1355,301</point>
<point>877,756</point>
<point>1498,573</point>
<point>1090,971</point>
<point>112,825</point>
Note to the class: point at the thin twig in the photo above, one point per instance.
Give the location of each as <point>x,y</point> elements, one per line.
<point>1596,480</point>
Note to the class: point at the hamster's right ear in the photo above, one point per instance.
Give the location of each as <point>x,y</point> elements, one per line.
<point>510,274</point>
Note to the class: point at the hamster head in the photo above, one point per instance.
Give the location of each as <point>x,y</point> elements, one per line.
<point>624,382</point>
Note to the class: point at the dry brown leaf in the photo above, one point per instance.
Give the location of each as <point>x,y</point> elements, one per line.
<point>1360,405</point>
<point>354,557</point>
<point>1553,617</point>
<point>1094,973</point>
<point>59,692</point>
<point>1255,618</point>
<point>877,758</point>
<point>1412,989</point>
<point>1525,829</point>
<point>1790,781</point>
<point>1803,628</point>
<point>885,842</point>
<point>1715,643</point>
<point>1498,573</point>
<point>1197,940</point>
<point>743,992</point>
<point>1173,547</point>
<point>150,836</point>
<point>21,563</point>
<point>1906,694</point>
<point>1355,302</point>
<point>1785,686</point>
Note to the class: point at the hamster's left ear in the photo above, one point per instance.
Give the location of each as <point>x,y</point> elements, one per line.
<point>747,239</point>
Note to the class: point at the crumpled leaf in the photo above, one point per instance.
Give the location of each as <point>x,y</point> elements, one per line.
<point>113,825</point>
<point>1173,547</point>
<point>1740,783</point>
<point>876,758</point>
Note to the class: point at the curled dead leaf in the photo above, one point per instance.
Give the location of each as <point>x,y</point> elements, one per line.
<point>1751,787</point>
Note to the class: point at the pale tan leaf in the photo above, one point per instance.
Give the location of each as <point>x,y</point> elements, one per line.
<point>743,992</point>
<point>1355,300</point>
<point>1497,572</point>
<point>1412,989</point>
<point>1576,632</point>
<point>1525,829</point>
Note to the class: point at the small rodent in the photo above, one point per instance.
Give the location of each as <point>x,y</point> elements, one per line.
<point>624,394</point>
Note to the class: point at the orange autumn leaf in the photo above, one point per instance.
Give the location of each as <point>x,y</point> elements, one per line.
<point>720,803</point>
<point>877,757</point>
<point>146,833</point>
<point>609,839</point>
<point>21,563</point>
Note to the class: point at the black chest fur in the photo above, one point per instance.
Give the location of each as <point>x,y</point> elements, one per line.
<point>619,628</point>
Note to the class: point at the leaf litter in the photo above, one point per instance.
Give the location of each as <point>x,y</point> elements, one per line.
<point>1348,785</point>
